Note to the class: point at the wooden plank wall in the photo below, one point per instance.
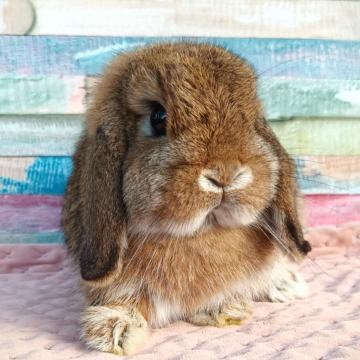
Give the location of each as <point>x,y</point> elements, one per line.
<point>309,84</point>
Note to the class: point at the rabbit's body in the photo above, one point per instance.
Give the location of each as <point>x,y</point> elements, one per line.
<point>182,203</point>
<point>191,273</point>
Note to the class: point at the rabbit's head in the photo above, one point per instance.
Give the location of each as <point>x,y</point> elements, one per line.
<point>176,144</point>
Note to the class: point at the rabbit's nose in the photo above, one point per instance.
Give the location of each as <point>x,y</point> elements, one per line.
<point>225,177</point>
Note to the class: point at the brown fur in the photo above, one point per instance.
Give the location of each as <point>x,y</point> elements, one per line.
<point>132,201</point>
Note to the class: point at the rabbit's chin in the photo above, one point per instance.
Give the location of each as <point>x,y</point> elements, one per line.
<point>223,216</point>
<point>171,227</point>
<point>234,216</point>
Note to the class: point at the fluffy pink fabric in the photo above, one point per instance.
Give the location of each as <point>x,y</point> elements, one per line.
<point>40,305</point>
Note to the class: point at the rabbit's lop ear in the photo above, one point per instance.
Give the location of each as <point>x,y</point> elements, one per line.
<point>285,208</point>
<point>93,215</point>
<point>282,214</point>
<point>103,213</point>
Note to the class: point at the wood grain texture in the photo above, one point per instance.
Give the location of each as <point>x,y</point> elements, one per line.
<point>286,98</point>
<point>318,136</point>
<point>36,94</point>
<point>55,237</point>
<point>34,175</point>
<point>48,175</point>
<point>76,55</point>
<point>57,135</point>
<point>26,214</point>
<point>36,219</point>
<point>328,174</point>
<point>35,135</point>
<point>321,210</point>
<point>241,18</point>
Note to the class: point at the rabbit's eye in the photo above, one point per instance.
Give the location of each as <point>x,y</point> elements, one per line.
<point>158,121</point>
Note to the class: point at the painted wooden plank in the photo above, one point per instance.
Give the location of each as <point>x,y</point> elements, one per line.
<point>319,210</point>
<point>39,135</point>
<point>242,18</point>
<point>328,174</point>
<point>25,214</point>
<point>32,238</point>
<point>75,55</point>
<point>36,94</point>
<point>286,98</point>
<point>282,97</point>
<point>57,135</point>
<point>48,175</point>
<point>319,137</point>
<point>39,175</point>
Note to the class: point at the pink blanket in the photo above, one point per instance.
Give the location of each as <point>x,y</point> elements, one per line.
<point>40,305</point>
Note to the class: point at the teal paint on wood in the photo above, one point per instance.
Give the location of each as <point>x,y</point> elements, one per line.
<point>40,175</point>
<point>32,238</point>
<point>286,98</point>
<point>77,55</point>
<point>282,97</point>
<point>39,94</point>
<point>39,135</point>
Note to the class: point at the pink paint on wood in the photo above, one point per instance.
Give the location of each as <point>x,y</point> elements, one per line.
<point>26,213</point>
<point>30,200</point>
<point>331,209</point>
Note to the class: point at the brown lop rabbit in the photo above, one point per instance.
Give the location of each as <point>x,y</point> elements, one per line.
<point>182,202</point>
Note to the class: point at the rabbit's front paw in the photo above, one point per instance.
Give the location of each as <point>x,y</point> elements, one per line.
<point>230,313</point>
<point>115,329</point>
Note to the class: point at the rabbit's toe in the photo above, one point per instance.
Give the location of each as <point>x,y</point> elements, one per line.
<point>115,329</point>
<point>231,313</point>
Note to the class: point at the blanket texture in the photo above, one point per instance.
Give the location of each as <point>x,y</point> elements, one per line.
<point>40,306</point>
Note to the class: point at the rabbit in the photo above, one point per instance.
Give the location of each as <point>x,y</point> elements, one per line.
<point>182,203</point>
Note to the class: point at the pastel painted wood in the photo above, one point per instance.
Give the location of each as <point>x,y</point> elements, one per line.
<point>274,18</point>
<point>282,97</point>
<point>310,90</point>
<point>39,175</point>
<point>26,214</point>
<point>32,135</point>
<point>20,219</point>
<point>321,210</point>
<point>328,174</point>
<point>42,237</point>
<point>48,175</point>
<point>57,135</point>
<point>287,98</point>
<point>316,136</point>
<point>35,94</point>
<point>76,55</point>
